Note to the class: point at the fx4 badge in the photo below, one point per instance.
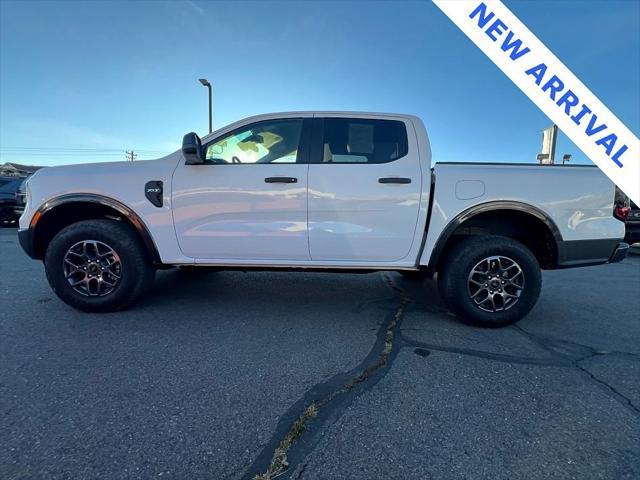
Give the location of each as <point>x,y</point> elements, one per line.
<point>153,192</point>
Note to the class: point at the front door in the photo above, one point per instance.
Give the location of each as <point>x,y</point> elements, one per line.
<point>249,200</point>
<point>365,183</point>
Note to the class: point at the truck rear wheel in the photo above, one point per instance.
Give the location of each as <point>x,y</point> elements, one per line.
<point>490,281</point>
<point>98,266</point>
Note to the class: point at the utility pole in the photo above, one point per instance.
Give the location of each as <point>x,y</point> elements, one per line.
<point>130,155</point>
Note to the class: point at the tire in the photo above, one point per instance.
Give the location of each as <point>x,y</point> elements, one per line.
<point>493,304</point>
<point>124,275</point>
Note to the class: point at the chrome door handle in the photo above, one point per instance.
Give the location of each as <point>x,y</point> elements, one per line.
<point>281,180</point>
<point>394,180</point>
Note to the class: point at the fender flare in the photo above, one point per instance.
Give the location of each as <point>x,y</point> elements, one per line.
<point>124,210</point>
<point>470,212</point>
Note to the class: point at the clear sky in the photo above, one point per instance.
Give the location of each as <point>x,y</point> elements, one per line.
<point>83,81</point>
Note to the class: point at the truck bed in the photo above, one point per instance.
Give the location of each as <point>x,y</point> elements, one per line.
<point>577,200</point>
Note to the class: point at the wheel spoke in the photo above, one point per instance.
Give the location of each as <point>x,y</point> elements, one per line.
<point>478,293</point>
<point>114,275</point>
<point>75,283</point>
<point>108,283</point>
<point>493,302</point>
<point>487,298</point>
<point>71,273</point>
<point>511,279</point>
<point>73,268</point>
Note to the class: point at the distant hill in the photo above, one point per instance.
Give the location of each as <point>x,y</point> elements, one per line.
<point>10,169</point>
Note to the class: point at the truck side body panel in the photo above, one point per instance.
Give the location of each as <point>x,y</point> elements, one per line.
<point>578,200</point>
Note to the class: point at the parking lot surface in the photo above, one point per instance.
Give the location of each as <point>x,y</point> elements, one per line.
<point>205,378</point>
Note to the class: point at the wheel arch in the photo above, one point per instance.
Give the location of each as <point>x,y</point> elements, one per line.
<point>512,219</point>
<point>59,212</point>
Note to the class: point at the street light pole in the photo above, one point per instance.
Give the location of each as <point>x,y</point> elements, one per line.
<point>206,83</point>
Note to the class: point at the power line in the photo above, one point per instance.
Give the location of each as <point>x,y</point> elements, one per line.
<point>130,155</point>
<point>73,150</point>
<point>74,154</point>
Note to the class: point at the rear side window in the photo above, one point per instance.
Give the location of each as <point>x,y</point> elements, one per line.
<point>355,140</point>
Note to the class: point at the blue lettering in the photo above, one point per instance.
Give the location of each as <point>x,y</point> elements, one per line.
<point>483,18</point>
<point>608,142</point>
<point>538,72</point>
<point>578,118</point>
<point>590,130</point>
<point>554,85</point>
<point>516,53</point>
<point>616,157</point>
<point>497,26</point>
<point>568,103</point>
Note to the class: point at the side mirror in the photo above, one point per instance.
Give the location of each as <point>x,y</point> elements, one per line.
<point>192,149</point>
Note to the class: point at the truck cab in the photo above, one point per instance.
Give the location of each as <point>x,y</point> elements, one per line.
<point>305,190</point>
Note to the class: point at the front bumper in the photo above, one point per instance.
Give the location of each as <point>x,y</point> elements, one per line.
<point>25,237</point>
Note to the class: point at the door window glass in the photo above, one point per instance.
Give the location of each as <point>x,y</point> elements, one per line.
<point>271,141</point>
<point>351,140</point>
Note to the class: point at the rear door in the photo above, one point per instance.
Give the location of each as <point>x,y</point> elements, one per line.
<point>365,183</point>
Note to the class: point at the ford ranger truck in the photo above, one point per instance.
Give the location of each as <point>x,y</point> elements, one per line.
<point>332,191</point>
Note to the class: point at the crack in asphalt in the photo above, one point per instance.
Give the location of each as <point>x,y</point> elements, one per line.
<point>499,357</point>
<point>611,390</point>
<point>563,353</point>
<point>296,433</point>
<point>558,359</point>
<point>551,346</point>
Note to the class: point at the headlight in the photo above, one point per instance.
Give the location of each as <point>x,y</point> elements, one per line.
<point>27,192</point>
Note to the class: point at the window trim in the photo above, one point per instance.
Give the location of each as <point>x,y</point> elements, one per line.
<point>317,144</point>
<point>302,156</point>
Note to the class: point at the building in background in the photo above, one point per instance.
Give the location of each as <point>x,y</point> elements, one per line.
<point>549,138</point>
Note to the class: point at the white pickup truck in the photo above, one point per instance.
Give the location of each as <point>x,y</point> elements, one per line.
<point>331,191</point>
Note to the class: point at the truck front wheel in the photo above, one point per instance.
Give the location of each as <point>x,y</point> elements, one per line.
<point>490,281</point>
<point>98,265</point>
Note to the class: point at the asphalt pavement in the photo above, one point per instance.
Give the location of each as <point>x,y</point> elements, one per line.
<point>367,375</point>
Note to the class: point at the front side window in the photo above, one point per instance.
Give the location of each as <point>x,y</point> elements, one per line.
<point>271,141</point>
<point>351,140</point>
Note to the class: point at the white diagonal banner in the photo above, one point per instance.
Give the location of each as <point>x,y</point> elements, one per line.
<point>552,87</point>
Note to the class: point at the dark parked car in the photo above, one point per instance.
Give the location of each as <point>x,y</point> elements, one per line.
<point>629,213</point>
<point>8,189</point>
<point>21,198</point>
